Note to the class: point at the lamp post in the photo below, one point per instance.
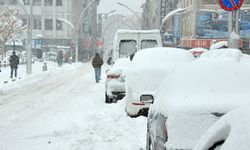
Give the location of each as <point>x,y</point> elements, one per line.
<point>78,25</point>
<point>73,27</point>
<point>138,18</point>
<point>28,43</point>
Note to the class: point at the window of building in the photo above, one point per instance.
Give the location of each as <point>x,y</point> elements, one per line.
<point>48,24</point>
<point>37,2</point>
<point>48,2</point>
<point>37,23</point>
<point>58,25</point>
<point>58,2</point>
<point>26,2</point>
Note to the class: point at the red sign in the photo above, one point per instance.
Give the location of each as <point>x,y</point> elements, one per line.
<point>205,43</point>
<point>230,5</point>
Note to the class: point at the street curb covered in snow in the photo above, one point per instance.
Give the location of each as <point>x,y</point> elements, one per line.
<point>34,78</point>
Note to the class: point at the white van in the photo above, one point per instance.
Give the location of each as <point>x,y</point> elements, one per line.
<point>127,42</point>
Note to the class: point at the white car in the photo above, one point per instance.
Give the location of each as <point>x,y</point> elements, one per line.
<point>115,82</point>
<point>194,96</point>
<point>148,68</point>
<point>231,132</point>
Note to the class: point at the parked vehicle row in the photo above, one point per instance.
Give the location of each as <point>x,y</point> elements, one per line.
<point>194,96</point>
<point>184,93</point>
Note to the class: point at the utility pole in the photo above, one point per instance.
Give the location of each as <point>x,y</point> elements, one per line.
<point>233,29</point>
<point>29,50</point>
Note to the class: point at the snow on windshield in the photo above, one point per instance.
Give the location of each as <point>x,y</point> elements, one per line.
<point>127,47</point>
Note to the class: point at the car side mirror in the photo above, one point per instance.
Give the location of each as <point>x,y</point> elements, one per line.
<point>147,99</point>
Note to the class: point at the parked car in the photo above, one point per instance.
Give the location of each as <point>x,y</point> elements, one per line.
<point>115,82</point>
<point>231,132</point>
<point>148,68</point>
<point>194,96</point>
<point>197,51</point>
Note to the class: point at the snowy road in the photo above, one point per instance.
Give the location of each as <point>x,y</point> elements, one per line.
<point>67,112</point>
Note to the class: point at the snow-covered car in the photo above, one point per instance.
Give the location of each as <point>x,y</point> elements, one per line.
<point>148,68</point>
<point>197,51</point>
<point>115,81</point>
<point>194,96</point>
<point>219,45</point>
<point>231,132</point>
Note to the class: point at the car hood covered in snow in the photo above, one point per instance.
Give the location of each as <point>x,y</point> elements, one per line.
<point>195,93</point>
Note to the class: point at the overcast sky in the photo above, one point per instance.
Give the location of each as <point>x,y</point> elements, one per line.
<point>108,5</point>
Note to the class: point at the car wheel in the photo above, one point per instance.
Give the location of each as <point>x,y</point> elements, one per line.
<point>107,99</point>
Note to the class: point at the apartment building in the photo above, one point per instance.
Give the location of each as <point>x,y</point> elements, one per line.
<point>51,34</point>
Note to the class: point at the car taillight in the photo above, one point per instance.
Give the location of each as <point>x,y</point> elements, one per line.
<point>166,132</point>
<point>113,76</point>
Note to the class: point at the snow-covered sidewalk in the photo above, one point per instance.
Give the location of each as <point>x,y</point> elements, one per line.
<point>6,83</point>
<point>66,111</point>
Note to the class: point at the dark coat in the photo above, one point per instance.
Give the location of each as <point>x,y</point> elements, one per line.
<point>97,61</point>
<point>14,61</point>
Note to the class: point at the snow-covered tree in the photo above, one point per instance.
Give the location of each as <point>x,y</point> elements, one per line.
<point>11,25</point>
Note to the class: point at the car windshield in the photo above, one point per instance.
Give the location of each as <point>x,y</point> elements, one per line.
<point>148,44</point>
<point>127,47</point>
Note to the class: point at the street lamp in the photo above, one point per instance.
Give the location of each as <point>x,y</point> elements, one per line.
<point>73,27</point>
<point>28,43</point>
<point>78,25</point>
<point>109,13</point>
<point>179,10</point>
<point>138,18</point>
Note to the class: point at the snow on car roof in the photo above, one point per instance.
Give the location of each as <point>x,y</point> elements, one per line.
<point>217,77</point>
<point>161,57</point>
<point>137,31</point>
<point>234,127</point>
<point>149,67</point>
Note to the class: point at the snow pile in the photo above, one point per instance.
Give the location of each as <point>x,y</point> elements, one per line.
<point>234,128</point>
<point>216,82</point>
<point>149,67</point>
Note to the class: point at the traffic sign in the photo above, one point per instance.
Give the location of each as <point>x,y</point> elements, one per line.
<point>230,5</point>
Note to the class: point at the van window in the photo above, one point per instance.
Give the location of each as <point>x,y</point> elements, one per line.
<point>148,44</point>
<point>127,47</point>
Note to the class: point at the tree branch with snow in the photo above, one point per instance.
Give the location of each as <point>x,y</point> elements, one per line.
<point>11,25</point>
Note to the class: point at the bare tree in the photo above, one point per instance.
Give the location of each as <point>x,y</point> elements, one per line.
<point>11,25</point>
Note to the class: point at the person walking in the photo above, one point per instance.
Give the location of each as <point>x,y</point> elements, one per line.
<point>14,62</point>
<point>60,58</point>
<point>97,63</point>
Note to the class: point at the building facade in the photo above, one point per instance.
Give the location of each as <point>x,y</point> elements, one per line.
<point>154,11</point>
<point>53,33</point>
<point>204,21</point>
